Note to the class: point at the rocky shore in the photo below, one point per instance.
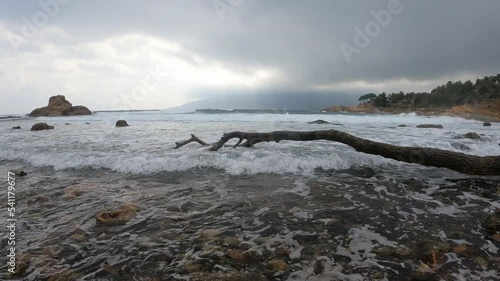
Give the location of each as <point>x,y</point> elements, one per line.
<point>488,112</point>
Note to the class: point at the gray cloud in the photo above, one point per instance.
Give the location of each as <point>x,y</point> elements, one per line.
<point>429,42</point>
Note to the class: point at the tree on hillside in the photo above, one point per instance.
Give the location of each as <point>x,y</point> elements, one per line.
<point>367,98</point>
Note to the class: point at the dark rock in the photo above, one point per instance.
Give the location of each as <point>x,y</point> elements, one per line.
<point>59,106</point>
<point>487,124</point>
<point>472,136</point>
<point>402,126</point>
<point>424,276</point>
<point>319,121</point>
<point>426,126</point>
<point>41,126</point>
<point>16,128</point>
<point>67,123</point>
<point>361,172</point>
<point>460,146</point>
<point>19,173</point>
<point>319,267</point>
<point>492,222</point>
<point>87,123</point>
<point>121,123</point>
<point>304,238</point>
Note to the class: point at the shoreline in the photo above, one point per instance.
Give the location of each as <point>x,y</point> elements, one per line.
<point>480,113</point>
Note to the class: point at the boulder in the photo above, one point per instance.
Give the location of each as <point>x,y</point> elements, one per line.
<point>472,136</point>
<point>41,126</point>
<point>487,124</point>
<point>426,126</point>
<point>59,106</point>
<point>121,123</point>
<point>16,128</point>
<point>319,121</point>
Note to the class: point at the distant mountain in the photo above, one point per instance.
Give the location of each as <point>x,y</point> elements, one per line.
<point>280,101</point>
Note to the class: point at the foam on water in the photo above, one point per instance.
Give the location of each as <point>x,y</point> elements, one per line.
<point>146,146</point>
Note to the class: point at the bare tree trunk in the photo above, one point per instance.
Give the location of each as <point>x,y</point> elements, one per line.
<point>460,162</point>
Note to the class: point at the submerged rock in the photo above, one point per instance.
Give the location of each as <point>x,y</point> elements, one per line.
<point>460,146</point>
<point>59,106</point>
<point>41,126</point>
<point>38,199</point>
<point>426,126</point>
<point>319,121</point>
<point>277,265</point>
<point>121,123</point>
<point>402,126</point>
<point>19,173</point>
<point>120,216</point>
<point>16,128</point>
<point>361,172</point>
<point>492,222</point>
<point>472,136</point>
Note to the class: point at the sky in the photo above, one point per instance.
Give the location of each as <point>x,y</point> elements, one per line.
<point>153,54</point>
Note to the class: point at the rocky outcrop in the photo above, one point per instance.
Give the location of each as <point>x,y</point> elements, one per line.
<point>59,106</point>
<point>427,126</point>
<point>41,126</point>
<point>121,123</point>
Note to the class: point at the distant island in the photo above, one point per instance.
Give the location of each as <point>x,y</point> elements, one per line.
<point>479,100</point>
<point>59,106</point>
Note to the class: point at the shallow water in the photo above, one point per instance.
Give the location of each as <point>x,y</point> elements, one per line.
<point>327,212</point>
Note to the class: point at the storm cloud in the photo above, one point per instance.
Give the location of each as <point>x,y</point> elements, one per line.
<point>99,53</point>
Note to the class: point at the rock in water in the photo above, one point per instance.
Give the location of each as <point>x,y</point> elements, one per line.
<point>41,126</point>
<point>492,222</point>
<point>121,123</point>
<point>487,124</point>
<point>16,128</point>
<point>472,136</point>
<point>426,126</point>
<point>319,121</point>
<point>460,146</point>
<point>19,173</point>
<point>59,106</point>
<point>116,217</point>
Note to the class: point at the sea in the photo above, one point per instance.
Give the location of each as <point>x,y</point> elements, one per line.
<point>315,210</point>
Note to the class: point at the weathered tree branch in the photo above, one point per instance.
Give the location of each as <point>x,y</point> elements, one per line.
<point>192,139</point>
<point>460,162</point>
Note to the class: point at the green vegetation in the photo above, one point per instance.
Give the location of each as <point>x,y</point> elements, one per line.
<point>451,94</point>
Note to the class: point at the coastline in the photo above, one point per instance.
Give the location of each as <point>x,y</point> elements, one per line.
<point>481,112</point>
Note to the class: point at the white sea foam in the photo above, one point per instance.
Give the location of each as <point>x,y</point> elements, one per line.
<point>146,146</point>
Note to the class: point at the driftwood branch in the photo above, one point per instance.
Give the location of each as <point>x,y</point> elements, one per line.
<point>460,162</point>
<point>192,139</point>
